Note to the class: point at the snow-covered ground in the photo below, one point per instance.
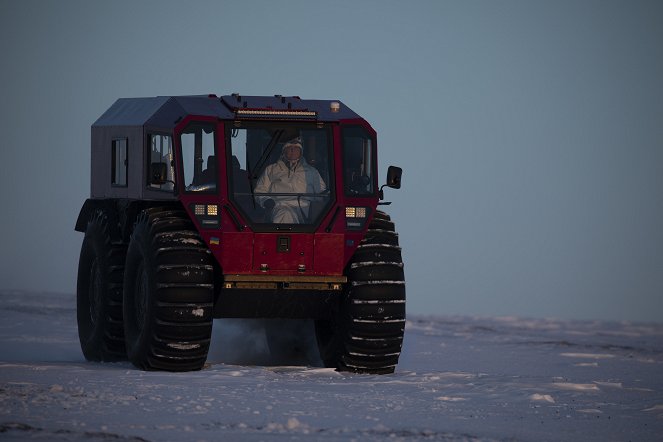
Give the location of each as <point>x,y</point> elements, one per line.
<point>459,379</point>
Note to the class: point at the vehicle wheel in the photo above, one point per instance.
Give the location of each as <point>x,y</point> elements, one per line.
<point>168,293</point>
<point>99,293</point>
<point>366,334</point>
<point>291,341</point>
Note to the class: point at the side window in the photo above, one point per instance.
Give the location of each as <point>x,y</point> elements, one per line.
<point>199,158</point>
<point>161,175</point>
<point>358,162</point>
<point>119,163</point>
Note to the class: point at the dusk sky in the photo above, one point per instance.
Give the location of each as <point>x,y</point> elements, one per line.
<point>530,132</point>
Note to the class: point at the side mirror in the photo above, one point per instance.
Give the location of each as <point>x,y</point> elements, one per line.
<point>393,180</point>
<point>158,173</point>
<point>394,177</point>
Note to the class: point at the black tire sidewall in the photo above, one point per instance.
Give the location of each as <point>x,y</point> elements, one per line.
<point>138,332</point>
<point>94,326</point>
<point>90,331</point>
<point>290,341</point>
<point>331,335</point>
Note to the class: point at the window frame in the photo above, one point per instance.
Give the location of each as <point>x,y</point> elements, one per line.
<point>172,166</point>
<point>373,159</point>
<point>215,150</point>
<point>114,168</point>
<point>264,227</point>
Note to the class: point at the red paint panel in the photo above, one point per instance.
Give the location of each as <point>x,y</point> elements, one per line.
<point>269,250</point>
<point>329,251</point>
<point>352,241</point>
<point>236,250</point>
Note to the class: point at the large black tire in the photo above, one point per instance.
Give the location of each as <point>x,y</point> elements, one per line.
<point>99,293</point>
<point>366,336</point>
<point>291,341</point>
<point>168,293</point>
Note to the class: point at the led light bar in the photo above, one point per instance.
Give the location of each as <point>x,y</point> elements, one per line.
<point>272,113</point>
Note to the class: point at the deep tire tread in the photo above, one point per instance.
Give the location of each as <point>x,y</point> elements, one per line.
<point>105,340</point>
<point>367,336</point>
<point>180,326</point>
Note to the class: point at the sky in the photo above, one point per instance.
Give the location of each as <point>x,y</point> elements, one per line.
<point>530,132</point>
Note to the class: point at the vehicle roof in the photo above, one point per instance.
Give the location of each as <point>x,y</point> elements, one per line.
<point>166,111</point>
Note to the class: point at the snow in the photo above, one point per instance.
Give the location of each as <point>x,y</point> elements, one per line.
<point>357,265</point>
<point>459,379</point>
<point>198,312</point>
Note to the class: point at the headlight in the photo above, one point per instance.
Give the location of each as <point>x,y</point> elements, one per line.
<point>207,215</point>
<point>355,217</point>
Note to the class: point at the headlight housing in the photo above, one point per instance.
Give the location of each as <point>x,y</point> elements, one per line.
<point>355,217</point>
<point>207,215</point>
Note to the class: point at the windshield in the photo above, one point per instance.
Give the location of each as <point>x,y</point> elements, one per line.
<point>281,173</point>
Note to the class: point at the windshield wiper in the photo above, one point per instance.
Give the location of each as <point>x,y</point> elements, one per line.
<point>260,165</point>
<point>265,155</point>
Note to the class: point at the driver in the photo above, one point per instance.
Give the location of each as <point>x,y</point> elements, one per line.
<point>288,178</point>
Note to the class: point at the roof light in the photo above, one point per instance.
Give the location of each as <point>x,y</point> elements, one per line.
<point>267,113</point>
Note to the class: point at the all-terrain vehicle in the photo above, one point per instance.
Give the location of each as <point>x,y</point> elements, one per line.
<point>237,207</point>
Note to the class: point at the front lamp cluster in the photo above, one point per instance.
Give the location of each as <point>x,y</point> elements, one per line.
<point>355,217</point>
<point>207,215</point>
